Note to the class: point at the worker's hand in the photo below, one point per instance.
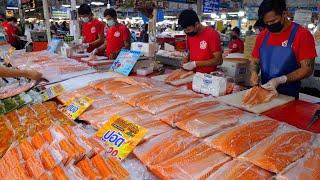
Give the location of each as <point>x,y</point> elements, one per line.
<point>113,56</point>
<point>94,52</point>
<point>189,66</point>
<point>254,79</point>
<point>85,45</point>
<point>35,75</point>
<point>273,84</point>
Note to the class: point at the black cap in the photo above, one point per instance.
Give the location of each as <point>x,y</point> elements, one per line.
<point>278,6</point>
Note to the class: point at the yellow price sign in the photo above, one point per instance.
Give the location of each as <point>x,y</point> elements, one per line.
<point>52,92</point>
<point>76,106</point>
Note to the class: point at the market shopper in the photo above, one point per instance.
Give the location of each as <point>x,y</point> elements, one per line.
<point>284,51</point>
<point>236,45</point>
<point>203,44</point>
<point>118,36</point>
<point>92,28</point>
<point>8,72</point>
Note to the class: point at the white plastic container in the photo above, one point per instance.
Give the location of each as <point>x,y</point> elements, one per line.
<point>209,84</point>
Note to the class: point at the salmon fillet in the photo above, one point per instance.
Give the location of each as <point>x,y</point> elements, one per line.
<point>178,75</point>
<point>184,112</point>
<point>111,86</point>
<point>257,95</point>
<point>154,128</point>
<point>197,162</point>
<point>206,124</point>
<point>157,104</point>
<point>305,168</point>
<point>243,137</point>
<point>279,151</point>
<point>117,170</point>
<point>127,90</point>
<point>164,146</point>
<point>240,170</point>
<point>135,99</point>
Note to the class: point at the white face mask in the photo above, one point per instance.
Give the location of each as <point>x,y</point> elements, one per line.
<point>111,23</point>
<point>85,19</point>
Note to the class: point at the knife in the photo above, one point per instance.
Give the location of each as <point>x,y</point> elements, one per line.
<point>314,118</point>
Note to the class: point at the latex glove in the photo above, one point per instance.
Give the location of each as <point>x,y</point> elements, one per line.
<point>254,79</point>
<point>94,52</point>
<point>273,84</point>
<point>85,45</point>
<point>189,66</point>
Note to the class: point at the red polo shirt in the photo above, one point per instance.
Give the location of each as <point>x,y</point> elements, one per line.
<point>236,46</point>
<point>91,31</point>
<point>303,44</point>
<point>202,46</point>
<point>10,31</point>
<point>116,36</point>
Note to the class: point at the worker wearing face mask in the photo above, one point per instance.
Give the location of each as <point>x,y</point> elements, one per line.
<point>11,31</point>
<point>203,43</point>
<point>285,52</point>
<point>236,44</point>
<point>118,35</point>
<point>92,28</point>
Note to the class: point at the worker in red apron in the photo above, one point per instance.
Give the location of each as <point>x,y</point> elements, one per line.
<point>203,43</point>
<point>92,28</point>
<point>285,52</point>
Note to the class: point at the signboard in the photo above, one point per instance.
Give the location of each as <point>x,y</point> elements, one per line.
<point>125,61</point>
<point>210,6</point>
<point>60,12</point>
<point>12,3</point>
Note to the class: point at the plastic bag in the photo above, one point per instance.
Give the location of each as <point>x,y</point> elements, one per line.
<point>88,169</point>
<point>160,103</point>
<point>241,138</point>
<point>136,169</point>
<point>193,108</point>
<point>276,152</point>
<point>164,146</point>
<point>307,167</point>
<point>206,124</point>
<point>240,170</point>
<point>34,167</point>
<point>197,162</point>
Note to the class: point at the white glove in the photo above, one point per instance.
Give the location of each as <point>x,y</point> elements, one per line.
<point>94,52</point>
<point>189,66</point>
<point>273,84</point>
<point>85,45</point>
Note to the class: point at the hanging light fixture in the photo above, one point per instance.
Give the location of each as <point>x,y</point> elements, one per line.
<point>241,13</point>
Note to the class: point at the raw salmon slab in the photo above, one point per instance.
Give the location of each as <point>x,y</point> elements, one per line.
<point>240,170</point>
<point>279,150</point>
<point>241,138</point>
<point>258,95</point>
<point>197,162</point>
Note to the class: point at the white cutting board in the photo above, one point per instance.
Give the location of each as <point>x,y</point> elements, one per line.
<point>175,83</point>
<point>236,100</point>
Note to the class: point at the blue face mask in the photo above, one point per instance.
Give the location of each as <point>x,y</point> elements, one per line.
<point>111,23</point>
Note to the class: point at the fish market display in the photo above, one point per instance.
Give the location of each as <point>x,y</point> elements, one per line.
<point>197,162</point>
<point>20,124</point>
<point>164,146</point>
<point>51,160</point>
<point>178,75</point>
<point>306,168</point>
<point>240,170</point>
<point>208,123</point>
<point>85,91</point>
<point>11,87</point>
<point>184,112</point>
<point>257,95</point>
<point>243,137</point>
<point>278,151</point>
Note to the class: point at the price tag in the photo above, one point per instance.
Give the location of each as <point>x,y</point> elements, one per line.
<point>76,106</point>
<point>121,136</point>
<point>125,61</point>
<point>52,92</point>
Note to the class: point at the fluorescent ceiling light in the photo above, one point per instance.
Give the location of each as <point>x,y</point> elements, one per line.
<point>97,3</point>
<point>213,15</point>
<point>223,16</point>
<point>66,5</point>
<point>12,8</point>
<point>241,13</point>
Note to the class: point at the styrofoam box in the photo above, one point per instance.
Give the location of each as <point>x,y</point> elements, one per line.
<point>147,49</point>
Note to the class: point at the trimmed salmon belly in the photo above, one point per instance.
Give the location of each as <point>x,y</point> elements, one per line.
<point>240,170</point>
<point>307,168</point>
<point>184,112</point>
<point>177,75</point>
<point>164,102</point>
<point>279,151</point>
<point>85,91</point>
<point>258,95</point>
<point>243,137</point>
<point>164,146</point>
<point>208,123</point>
<point>197,162</point>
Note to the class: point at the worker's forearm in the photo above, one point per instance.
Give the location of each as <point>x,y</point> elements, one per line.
<point>7,72</point>
<point>97,42</point>
<point>303,72</point>
<point>254,66</point>
<point>217,60</point>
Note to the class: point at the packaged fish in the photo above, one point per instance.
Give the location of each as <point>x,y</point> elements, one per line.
<point>104,169</point>
<point>88,169</point>
<point>50,157</point>
<point>34,167</point>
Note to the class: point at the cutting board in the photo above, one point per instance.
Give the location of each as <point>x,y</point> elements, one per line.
<point>175,83</point>
<point>236,98</point>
